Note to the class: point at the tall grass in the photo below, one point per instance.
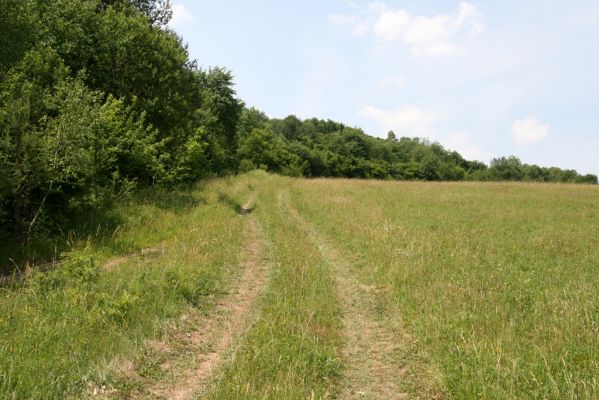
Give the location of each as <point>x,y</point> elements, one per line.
<point>498,283</point>
<point>60,330</point>
<point>292,350</point>
<point>496,286</point>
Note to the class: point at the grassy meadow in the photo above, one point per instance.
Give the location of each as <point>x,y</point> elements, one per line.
<point>292,350</point>
<point>497,282</point>
<point>65,330</point>
<point>490,290</point>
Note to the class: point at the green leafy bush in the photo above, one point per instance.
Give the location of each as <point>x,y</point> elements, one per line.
<point>77,269</point>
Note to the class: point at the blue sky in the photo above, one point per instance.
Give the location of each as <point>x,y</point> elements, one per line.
<point>485,78</point>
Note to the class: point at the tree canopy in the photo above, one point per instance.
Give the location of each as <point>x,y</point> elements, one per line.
<point>98,97</point>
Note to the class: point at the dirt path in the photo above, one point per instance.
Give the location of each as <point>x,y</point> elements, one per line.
<point>369,350</point>
<point>218,331</point>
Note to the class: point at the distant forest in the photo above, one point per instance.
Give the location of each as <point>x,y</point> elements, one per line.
<point>316,148</point>
<point>99,97</point>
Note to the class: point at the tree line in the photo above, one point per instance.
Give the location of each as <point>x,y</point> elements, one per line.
<point>99,97</point>
<point>316,148</point>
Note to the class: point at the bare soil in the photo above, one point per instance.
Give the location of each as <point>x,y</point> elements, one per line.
<point>191,353</point>
<point>219,330</point>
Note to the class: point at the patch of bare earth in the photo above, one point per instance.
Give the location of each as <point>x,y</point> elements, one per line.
<point>370,348</point>
<point>192,351</point>
<point>220,329</point>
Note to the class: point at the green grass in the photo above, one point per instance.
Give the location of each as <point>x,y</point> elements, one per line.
<point>292,350</point>
<point>493,285</point>
<point>60,330</point>
<point>498,283</point>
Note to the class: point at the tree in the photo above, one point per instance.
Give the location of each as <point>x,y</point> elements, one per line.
<point>158,12</point>
<point>506,168</point>
<point>250,119</point>
<point>266,150</point>
<point>220,114</point>
<point>263,149</point>
<point>18,22</point>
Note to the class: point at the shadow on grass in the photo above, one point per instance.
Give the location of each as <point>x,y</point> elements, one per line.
<point>234,204</point>
<point>176,200</point>
<point>44,251</point>
<point>98,226</point>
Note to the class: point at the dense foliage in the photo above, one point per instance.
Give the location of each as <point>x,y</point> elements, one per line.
<point>97,97</point>
<point>325,148</point>
<point>100,96</point>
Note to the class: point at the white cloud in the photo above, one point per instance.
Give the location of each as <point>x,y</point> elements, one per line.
<point>462,143</point>
<point>426,36</point>
<point>393,82</point>
<point>392,24</point>
<point>529,130</point>
<point>470,17</point>
<point>406,120</point>
<point>181,16</point>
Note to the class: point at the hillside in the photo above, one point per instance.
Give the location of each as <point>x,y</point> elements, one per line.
<point>161,239</point>
<point>268,287</point>
<point>99,98</point>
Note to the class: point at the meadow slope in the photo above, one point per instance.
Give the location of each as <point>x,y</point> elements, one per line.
<point>267,287</point>
<point>496,283</point>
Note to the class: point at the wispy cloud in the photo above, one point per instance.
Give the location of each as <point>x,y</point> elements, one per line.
<point>406,120</point>
<point>463,144</point>
<point>429,36</point>
<point>529,130</point>
<point>181,16</point>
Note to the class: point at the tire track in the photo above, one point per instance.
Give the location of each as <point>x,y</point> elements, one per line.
<point>371,369</point>
<point>218,331</point>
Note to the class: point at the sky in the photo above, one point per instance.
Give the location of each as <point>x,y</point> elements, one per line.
<point>485,78</point>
